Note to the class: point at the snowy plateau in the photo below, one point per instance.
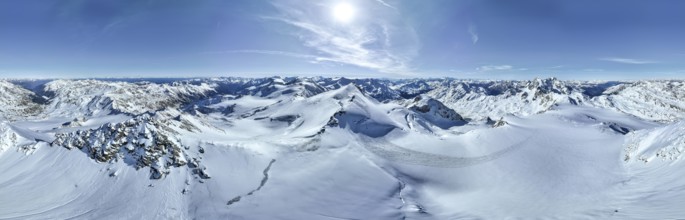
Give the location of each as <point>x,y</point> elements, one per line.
<point>339,148</point>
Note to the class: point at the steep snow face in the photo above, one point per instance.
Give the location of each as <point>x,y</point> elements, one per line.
<point>661,145</point>
<point>24,140</point>
<point>17,102</point>
<point>93,97</point>
<point>652,100</point>
<point>10,139</point>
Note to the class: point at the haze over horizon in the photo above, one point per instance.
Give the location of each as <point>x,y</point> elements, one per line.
<point>488,39</point>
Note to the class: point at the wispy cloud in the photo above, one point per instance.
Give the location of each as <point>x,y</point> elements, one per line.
<point>382,43</point>
<point>627,60</point>
<point>474,33</point>
<point>382,2</point>
<point>494,68</point>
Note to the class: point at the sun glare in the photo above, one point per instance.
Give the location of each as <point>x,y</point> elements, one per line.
<point>343,12</point>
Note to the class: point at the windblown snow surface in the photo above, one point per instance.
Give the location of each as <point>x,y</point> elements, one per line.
<point>338,148</point>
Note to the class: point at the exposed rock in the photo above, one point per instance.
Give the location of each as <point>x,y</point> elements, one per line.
<point>618,128</point>
<point>141,142</point>
<point>285,118</point>
<point>499,123</point>
<point>434,107</point>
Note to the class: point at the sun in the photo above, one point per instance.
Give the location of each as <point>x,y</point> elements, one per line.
<point>344,12</point>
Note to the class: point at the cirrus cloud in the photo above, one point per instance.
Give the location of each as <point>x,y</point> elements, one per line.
<point>382,43</point>
<point>474,33</point>
<point>494,68</point>
<point>627,60</point>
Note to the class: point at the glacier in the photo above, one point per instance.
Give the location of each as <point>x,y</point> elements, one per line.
<point>341,148</point>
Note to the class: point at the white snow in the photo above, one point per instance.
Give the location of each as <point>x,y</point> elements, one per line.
<point>336,148</point>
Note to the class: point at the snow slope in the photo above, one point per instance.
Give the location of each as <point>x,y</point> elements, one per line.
<point>338,148</point>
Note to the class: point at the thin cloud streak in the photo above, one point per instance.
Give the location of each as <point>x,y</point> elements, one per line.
<point>474,33</point>
<point>385,4</point>
<point>494,68</point>
<point>627,60</point>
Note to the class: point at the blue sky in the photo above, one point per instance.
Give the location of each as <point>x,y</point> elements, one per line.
<point>499,39</point>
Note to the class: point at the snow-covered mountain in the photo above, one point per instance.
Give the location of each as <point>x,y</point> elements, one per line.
<point>651,100</point>
<point>92,97</point>
<point>329,148</point>
<point>17,102</point>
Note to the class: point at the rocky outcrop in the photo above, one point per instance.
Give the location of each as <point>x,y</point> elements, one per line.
<point>144,141</point>
<point>434,108</point>
<point>496,124</point>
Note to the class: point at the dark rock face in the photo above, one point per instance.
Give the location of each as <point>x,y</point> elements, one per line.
<point>495,124</point>
<point>618,128</point>
<point>426,105</point>
<point>286,118</point>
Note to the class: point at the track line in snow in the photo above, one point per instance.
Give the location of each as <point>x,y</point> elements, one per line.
<point>261,184</point>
